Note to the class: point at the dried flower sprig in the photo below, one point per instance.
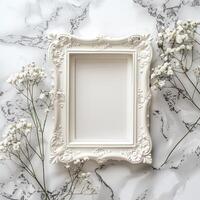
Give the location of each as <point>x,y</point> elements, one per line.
<point>18,142</point>
<point>176,49</point>
<point>174,45</point>
<point>13,139</point>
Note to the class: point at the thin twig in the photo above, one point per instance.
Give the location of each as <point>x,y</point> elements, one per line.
<point>102,181</point>
<point>177,144</point>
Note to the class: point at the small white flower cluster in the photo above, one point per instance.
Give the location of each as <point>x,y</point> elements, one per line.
<point>177,39</point>
<point>84,175</point>
<point>42,95</point>
<point>14,136</point>
<point>77,162</point>
<point>29,74</point>
<point>160,73</point>
<point>172,43</point>
<point>47,97</point>
<point>46,94</point>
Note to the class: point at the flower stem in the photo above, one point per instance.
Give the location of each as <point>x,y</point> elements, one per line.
<point>177,144</point>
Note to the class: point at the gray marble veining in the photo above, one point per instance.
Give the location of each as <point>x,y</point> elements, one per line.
<point>24,28</point>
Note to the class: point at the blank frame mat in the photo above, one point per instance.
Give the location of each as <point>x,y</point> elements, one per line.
<point>103,97</point>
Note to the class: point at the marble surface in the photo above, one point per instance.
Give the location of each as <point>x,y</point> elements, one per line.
<point>25,25</point>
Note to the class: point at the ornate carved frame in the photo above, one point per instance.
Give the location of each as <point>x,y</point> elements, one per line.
<point>140,151</point>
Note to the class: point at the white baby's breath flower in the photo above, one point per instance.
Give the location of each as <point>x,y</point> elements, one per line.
<point>67,166</point>
<point>27,131</point>
<point>161,73</point>
<point>2,147</point>
<point>52,92</point>
<point>160,35</point>
<point>46,110</point>
<point>182,47</point>
<point>179,39</point>
<point>161,83</point>
<point>170,72</point>
<point>165,58</point>
<point>29,125</point>
<point>86,158</point>
<point>16,146</point>
<point>189,47</point>
<point>77,161</point>
<point>19,125</point>
<point>14,135</point>
<point>179,22</point>
<point>42,95</point>
<point>84,175</point>
<point>29,74</point>
<point>169,50</point>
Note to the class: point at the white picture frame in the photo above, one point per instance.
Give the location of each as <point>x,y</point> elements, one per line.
<point>80,65</point>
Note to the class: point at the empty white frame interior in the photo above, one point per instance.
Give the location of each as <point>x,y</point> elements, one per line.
<point>101,98</point>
